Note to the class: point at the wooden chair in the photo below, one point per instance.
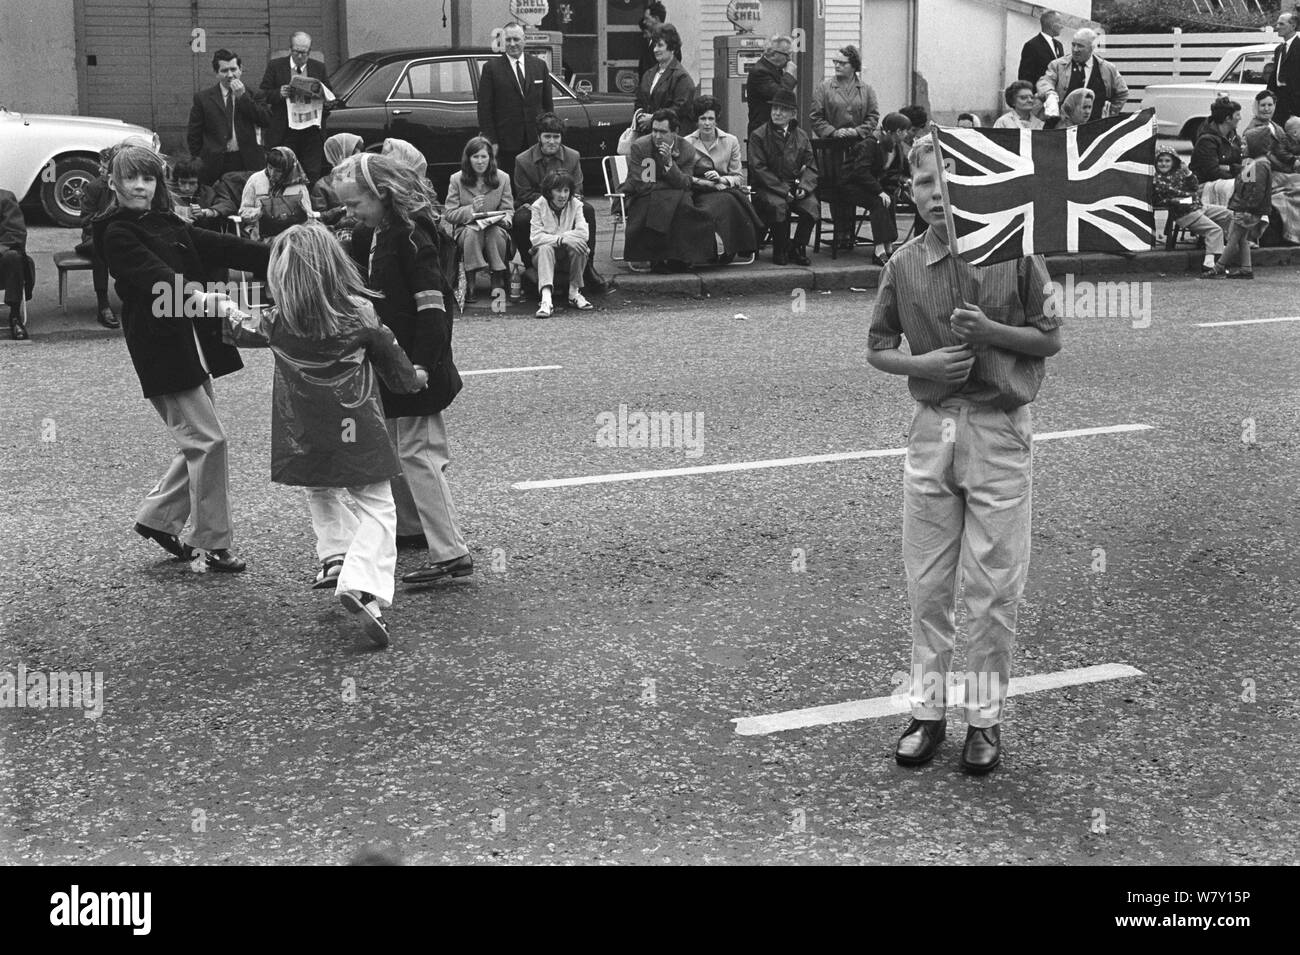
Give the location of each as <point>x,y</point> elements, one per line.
<point>830,153</point>
<point>67,262</point>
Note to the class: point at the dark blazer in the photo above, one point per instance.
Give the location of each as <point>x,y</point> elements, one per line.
<point>277,74</point>
<point>144,249</point>
<point>13,228</point>
<point>531,168</point>
<point>505,116</point>
<point>675,91</point>
<point>1285,82</point>
<point>1035,56</point>
<point>764,81</point>
<point>207,133</point>
<point>1212,150</point>
<point>405,265</point>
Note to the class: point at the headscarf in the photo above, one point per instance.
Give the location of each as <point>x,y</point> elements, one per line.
<point>399,150</point>
<point>341,145</point>
<point>1074,111</point>
<point>293,174</point>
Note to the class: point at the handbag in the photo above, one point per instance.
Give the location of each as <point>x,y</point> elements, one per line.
<point>625,141</point>
<point>278,214</point>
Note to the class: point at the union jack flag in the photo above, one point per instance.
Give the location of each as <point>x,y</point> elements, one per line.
<point>1016,192</point>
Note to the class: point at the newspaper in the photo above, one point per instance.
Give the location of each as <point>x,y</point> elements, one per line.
<point>306,102</point>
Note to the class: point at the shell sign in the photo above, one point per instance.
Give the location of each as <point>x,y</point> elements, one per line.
<point>532,12</point>
<point>745,15</point>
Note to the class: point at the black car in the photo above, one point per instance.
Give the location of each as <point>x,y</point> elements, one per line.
<point>429,97</point>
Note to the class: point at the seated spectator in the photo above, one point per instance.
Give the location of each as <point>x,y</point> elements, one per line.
<point>1178,192</point>
<point>844,106</point>
<point>873,177</point>
<point>228,192</point>
<point>559,234</point>
<point>1023,102</point>
<point>480,209</point>
<point>719,183</point>
<point>783,173</point>
<point>1076,108</point>
<point>667,85</point>
<point>191,200</point>
<point>402,151</point>
<point>664,225</point>
<point>276,197</point>
<point>1250,203</point>
<point>324,197</point>
<point>967,120</point>
<point>1284,163</point>
<point>96,200</point>
<point>1216,153</point>
<point>548,155</point>
<point>13,262</point>
<point>919,117</point>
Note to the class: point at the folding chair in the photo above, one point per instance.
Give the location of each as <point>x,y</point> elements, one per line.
<point>615,172</point>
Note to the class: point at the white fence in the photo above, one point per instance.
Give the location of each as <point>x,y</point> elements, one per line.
<point>1145,59</point>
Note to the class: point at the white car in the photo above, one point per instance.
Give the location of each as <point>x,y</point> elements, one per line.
<point>52,158</point>
<point>1182,107</point>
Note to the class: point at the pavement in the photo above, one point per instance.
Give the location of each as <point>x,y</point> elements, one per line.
<point>575,700</point>
<point>850,270</point>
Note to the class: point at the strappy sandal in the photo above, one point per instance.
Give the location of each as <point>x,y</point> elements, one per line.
<point>329,573</point>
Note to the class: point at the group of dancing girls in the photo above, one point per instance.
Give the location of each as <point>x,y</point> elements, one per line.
<point>337,320</point>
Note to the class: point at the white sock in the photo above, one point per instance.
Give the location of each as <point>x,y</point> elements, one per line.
<point>1209,260</point>
<point>546,296</point>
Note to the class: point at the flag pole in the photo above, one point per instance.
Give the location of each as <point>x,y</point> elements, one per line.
<point>947,216</point>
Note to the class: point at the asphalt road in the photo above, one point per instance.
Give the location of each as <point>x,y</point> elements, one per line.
<point>573,701</point>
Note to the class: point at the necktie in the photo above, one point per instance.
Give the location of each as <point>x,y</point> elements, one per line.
<point>1076,76</point>
<point>519,71</point>
<point>232,143</point>
<point>1060,51</point>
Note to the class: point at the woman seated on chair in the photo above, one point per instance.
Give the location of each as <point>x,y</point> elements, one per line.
<point>324,196</point>
<point>664,225</point>
<point>719,183</point>
<point>480,207</point>
<point>1023,101</point>
<point>873,177</point>
<point>276,197</point>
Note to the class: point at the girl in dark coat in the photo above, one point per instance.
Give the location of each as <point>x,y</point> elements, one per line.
<point>397,242</point>
<point>327,425</point>
<point>154,256</point>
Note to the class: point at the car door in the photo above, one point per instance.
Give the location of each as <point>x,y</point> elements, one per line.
<point>433,107</point>
<point>1247,76</point>
<point>364,111</point>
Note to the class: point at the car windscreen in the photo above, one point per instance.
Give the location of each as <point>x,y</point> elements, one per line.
<point>347,76</point>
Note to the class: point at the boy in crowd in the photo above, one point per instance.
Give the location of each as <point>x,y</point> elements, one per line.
<point>1250,204</point>
<point>975,364</point>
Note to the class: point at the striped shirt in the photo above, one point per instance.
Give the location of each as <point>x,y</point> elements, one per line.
<point>917,296</point>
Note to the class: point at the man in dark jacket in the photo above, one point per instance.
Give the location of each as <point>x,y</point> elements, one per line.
<point>222,121</point>
<point>766,77</point>
<point>1216,155</point>
<point>307,144</point>
<point>1041,49</point>
<point>1285,81</point>
<point>13,260</point>
<point>664,225</point>
<point>513,91</point>
<point>783,175</point>
<point>549,154</point>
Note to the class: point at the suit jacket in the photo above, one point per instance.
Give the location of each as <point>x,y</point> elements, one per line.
<point>506,116</point>
<point>13,229</point>
<point>675,90</point>
<point>208,129</point>
<point>1057,79</point>
<point>277,74</point>
<point>1285,82</point>
<point>763,82</point>
<point>674,175</point>
<point>1035,56</point>
<point>531,168</point>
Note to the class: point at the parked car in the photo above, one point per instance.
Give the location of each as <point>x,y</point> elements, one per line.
<point>1181,108</point>
<point>50,159</point>
<point>429,97</point>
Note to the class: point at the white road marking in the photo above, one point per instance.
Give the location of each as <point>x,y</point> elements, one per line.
<point>891,705</point>
<point>1249,321</point>
<point>506,371</point>
<point>786,462</point>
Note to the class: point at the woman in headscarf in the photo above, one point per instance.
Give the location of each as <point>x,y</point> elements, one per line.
<point>401,151</point>
<point>276,197</point>
<point>1076,108</point>
<point>324,197</point>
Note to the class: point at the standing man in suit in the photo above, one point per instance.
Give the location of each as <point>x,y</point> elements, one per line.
<point>1042,49</point>
<point>766,78</point>
<point>1082,69</point>
<point>222,120</point>
<point>513,91</point>
<point>307,144</point>
<point>1286,70</point>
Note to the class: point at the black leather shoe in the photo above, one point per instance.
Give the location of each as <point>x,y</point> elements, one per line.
<point>920,741</point>
<point>17,326</point>
<point>168,542</point>
<point>983,749</point>
<point>456,567</point>
<point>412,542</point>
<point>106,318</point>
<point>799,255</point>
<point>223,561</point>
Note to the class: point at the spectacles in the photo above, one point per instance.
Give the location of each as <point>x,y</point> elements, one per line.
<point>840,62</point>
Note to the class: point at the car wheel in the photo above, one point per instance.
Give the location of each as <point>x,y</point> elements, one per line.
<point>61,198</point>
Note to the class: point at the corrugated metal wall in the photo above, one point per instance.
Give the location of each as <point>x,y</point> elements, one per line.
<point>136,60</point>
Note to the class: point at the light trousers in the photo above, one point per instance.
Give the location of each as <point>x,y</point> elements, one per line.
<point>367,544</point>
<point>422,495</point>
<point>545,257</point>
<point>967,489</point>
<point>196,484</point>
<point>1212,222</point>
